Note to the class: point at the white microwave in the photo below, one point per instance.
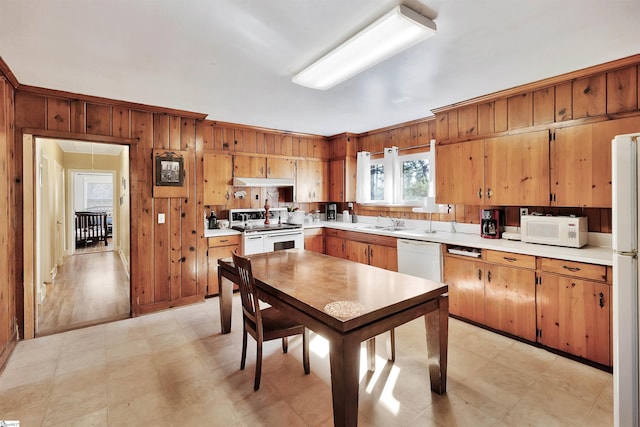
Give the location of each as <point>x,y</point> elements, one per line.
<point>569,231</point>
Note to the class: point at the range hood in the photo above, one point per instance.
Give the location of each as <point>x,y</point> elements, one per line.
<point>263,182</point>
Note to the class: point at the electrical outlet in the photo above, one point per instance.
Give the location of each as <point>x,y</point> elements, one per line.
<point>524,211</point>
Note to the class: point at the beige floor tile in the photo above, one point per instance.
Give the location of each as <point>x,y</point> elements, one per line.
<point>175,368</point>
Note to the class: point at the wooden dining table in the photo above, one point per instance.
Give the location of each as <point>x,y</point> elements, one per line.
<point>346,303</point>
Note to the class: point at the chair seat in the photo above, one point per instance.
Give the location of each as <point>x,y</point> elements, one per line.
<point>276,324</point>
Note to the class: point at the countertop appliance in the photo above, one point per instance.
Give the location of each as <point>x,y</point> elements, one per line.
<point>332,211</point>
<point>420,259</point>
<point>258,237</point>
<point>626,305</point>
<point>569,231</point>
<point>491,223</point>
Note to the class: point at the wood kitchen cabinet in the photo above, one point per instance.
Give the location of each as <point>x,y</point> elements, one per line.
<point>465,278</point>
<point>574,309</point>
<point>510,293</point>
<point>219,247</point>
<point>314,240</point>
<point>312,184</point>
<point>581,162</point>
<point>379,251</point>
<point>217,179</point>
<point>263,167</point>
<point>497,291</point>
<point>510,170</point>
<point>342,180</point>
<point>334,242</point>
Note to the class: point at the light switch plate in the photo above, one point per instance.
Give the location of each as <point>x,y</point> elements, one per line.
<point>160,218</point>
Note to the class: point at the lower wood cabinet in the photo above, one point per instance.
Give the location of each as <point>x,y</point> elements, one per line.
<point>334,242</point>
<point>372,249</point>
<point>574,309</point>
<point>219,247</point>
<point>465,278</point>
<point>563,305</point>
<point>314,240</point>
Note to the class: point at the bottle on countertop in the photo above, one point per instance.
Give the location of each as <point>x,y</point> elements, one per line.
<point>213,221</point>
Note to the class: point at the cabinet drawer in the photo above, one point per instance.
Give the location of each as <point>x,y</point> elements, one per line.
<point>332,232</point>
<point>224,241</point>
<point>511,259</point>
<point>308,232</point>
<point>574,269</point>
<point>373,239</point>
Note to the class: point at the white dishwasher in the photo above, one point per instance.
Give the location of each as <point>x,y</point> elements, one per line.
<point>421,259</point>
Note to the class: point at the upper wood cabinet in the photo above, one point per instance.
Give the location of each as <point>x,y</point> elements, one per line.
<point>312,183</point>
<point>517,170</point>
<point>263,167</point>
<point>342,180</point>
<point>510,170</point>
<point>217,179</point>
<point>581,162</point>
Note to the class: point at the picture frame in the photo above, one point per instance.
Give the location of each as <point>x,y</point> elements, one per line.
<point>169,168</point>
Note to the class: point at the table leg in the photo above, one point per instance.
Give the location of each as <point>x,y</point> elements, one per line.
<point>371,354</point>
<point>344,356</point>
<point>391,345</point>
<point>437,326</point>
<point>225,298</point>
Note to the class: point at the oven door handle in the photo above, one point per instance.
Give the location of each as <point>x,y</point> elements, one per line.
<point>254,237</point>
<point>274,236</point>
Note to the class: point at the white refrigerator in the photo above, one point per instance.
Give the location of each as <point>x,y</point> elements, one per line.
<point>626,304</point>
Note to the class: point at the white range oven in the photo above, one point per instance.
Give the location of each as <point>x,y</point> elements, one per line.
<point>258,237</point>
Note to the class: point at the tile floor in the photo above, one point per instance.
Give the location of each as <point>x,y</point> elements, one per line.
<point>174,368</point>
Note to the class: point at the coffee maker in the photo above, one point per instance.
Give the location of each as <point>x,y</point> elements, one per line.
<point>332,211</point>
<point>491,223</point>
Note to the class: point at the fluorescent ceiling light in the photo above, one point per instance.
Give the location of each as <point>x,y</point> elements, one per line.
<point>397,30</point>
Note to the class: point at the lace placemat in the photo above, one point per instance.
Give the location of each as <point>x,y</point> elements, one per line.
<point>344,309</point>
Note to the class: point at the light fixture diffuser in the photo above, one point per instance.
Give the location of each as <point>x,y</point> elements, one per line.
<point>397,30</point>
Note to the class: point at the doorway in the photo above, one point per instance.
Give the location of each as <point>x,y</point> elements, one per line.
<point>81,268</point>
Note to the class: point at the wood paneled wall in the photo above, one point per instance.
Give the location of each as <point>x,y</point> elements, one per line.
<point>10,281</point>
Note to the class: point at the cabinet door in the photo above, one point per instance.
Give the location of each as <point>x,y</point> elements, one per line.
<point>335,246</point>
<point>574,316</point>
<point>384,257</point>
<point>466,288</point>
<point>460,173</point>
<point>280,168</point>
<point>212,266</point>
<point>336,180</point>
<point>581,162</point>
<point>314,243</point>
<point>217,179</point>
<point>249,167</point>
<point>517,170</point>
<point>303,181</point>
<point>320,181</point>
<point>357,251</point>
<point>510,300</point>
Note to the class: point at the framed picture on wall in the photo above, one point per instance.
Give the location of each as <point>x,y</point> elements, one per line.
<point>169,169</point>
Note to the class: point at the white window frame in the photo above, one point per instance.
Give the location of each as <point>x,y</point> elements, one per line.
<point>424,155</point>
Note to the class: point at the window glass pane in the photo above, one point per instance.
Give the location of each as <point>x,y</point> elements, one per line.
<point>99,195</point>
<point>377,181</point>
<point>415,179</point>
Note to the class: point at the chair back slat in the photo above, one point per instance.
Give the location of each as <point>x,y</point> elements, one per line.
<point>248,290</point>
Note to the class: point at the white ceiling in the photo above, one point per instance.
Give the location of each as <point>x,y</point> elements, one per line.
<point>234,59</point>
<point>70,146</point>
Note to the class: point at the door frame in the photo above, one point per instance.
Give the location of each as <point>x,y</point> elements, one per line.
<point>28,204</point>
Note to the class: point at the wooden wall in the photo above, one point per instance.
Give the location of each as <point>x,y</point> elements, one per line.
<point>8,272</point>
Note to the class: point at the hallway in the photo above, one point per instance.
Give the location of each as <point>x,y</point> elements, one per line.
<point>89,288</point>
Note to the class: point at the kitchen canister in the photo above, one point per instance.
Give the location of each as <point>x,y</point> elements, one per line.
<point>345,216</point>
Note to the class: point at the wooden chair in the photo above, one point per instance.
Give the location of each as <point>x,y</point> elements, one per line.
<point>264,324</point>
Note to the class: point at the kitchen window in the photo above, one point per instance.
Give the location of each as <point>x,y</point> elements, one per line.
<point>416,175</point>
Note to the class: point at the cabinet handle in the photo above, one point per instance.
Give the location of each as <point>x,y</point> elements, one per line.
<point>489,276</point>
<point>269,170</point>
<point>572,269</point>
<point>510,259</point>
<point>601,300</point>
<point>227,196</point>
<point>225,240</point>
<point>479,193</point>
<point>261,170</point>
<point>479,274</point>
<point>489,193</point>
